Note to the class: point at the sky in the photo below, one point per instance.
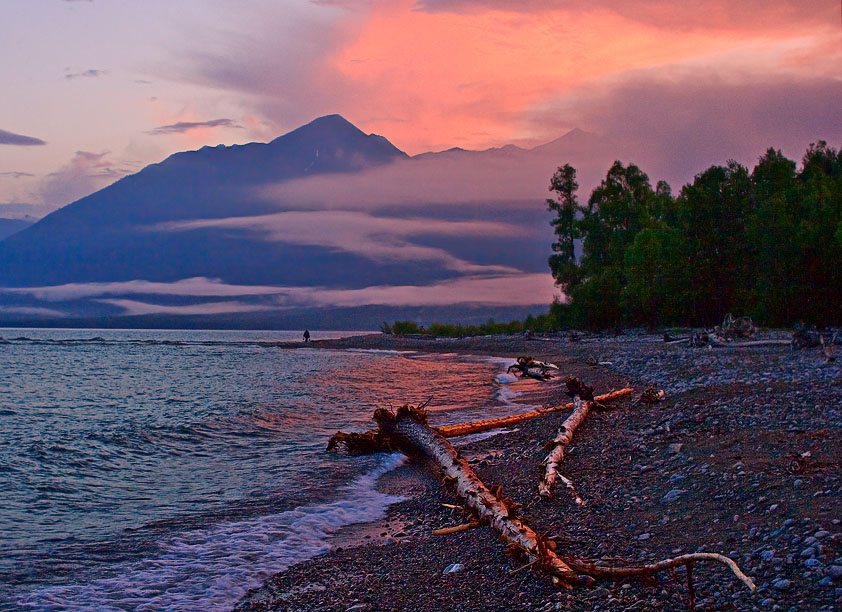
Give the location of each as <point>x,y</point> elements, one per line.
<point>97,89</point>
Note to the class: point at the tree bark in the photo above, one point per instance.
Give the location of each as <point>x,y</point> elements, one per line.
<point>561,442</point>
<point>409,426</point>
<point>463,429</point>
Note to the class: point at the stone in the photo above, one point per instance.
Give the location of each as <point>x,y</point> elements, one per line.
<point>673,495</point>
<point>782,584</point>
<point>453,568</point>
<point>835,572</point>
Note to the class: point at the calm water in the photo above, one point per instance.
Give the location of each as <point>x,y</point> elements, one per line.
<point>174,470</point>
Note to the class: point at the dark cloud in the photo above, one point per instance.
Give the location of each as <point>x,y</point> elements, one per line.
<point>684,14</point>
<point>186,126</point>
<point>675,126</point>
<point>16,174</point>
<point>9,138</point>
<point>91,74</point>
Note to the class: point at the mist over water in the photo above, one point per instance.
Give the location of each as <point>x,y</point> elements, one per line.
<point>173,470</point>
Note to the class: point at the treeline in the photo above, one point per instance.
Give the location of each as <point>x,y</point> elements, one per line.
<point>542,323</point>
<point>765,243</point>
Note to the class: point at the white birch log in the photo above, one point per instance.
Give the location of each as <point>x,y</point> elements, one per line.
<point>581,408</point>
<point>409,425</point>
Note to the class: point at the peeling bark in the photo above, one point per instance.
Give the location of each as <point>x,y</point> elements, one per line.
<point>559,444</point>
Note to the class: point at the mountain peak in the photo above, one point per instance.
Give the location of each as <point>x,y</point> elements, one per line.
<point>335,125</point>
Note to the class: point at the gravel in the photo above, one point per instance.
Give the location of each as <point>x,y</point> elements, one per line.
<point>742,458</point>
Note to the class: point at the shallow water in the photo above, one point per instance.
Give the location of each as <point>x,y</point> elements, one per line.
<point>173,470</point>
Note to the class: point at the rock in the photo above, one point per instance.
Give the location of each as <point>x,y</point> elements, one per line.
<point>671,496</point>
<point>767,555</point>
<point>782,584</point>
<point>674,449</point>
<point>835,572</point>
<point>453,568</point>
<point>812,563</point>
<point>357,607</point>
<point>808,552</point>
<point>644,536</point>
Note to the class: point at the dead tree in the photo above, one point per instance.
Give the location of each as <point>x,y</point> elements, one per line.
<point>407,430</point>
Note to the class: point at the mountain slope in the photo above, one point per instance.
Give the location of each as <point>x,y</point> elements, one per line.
<point>104,237</point>
<point>324,217</point>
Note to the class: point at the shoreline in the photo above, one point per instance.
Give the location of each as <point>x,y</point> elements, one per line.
<point>742,458</point>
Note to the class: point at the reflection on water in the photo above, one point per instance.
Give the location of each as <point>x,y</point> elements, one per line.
<point>121,448</point>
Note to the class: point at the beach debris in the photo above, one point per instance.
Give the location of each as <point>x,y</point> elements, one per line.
<point>647,571</point>
<point>365,443</point>
<point>698,339</point>
<point>735,327</point>
<point>827,349</point>
<point>372,441</point>
<point>463,429</point>
<point>454,568</point>
<point>804,336</point>
<point>408,431</point>
<point>408,428</point>
<point>457,528</point>
<point>651,395</point>
<point>583,401</point>
<point>526,366</point>
<point>595,361</point>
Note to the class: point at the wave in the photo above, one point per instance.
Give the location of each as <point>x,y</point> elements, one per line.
<point>209,570</point>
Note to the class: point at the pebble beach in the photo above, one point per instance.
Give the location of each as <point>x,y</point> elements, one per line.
<point>742,458</point>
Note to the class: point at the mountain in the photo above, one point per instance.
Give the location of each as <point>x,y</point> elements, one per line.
<point>103,236</point>
<point>12,226</point>
<point>325,217</point>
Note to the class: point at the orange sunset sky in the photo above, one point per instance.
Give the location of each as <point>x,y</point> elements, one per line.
<point>101,89</point>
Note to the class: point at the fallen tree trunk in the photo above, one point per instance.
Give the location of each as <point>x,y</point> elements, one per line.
<point>407,430</point>
<point>559,444</point>
<point>373,441</point>
<point>463,429</point>
<point>408,427</point>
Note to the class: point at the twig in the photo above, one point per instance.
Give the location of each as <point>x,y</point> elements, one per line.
<point>455,529</point>
<point>598,571</point>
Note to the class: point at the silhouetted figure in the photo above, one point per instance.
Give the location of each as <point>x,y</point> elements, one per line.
<point>306,335</point>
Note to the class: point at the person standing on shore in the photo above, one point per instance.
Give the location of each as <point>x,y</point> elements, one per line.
<point>306,335</point>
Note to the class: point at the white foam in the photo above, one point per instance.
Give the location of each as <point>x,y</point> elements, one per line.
<point>209,570</point>
<point>504,378</point>
<point>506,395</point>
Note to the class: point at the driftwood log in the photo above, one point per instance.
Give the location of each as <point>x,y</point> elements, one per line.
<point>373,441</point>
<point>463,429</point>
<point>558,445</point>
<point>528,367</point>
<point>407,430</point>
